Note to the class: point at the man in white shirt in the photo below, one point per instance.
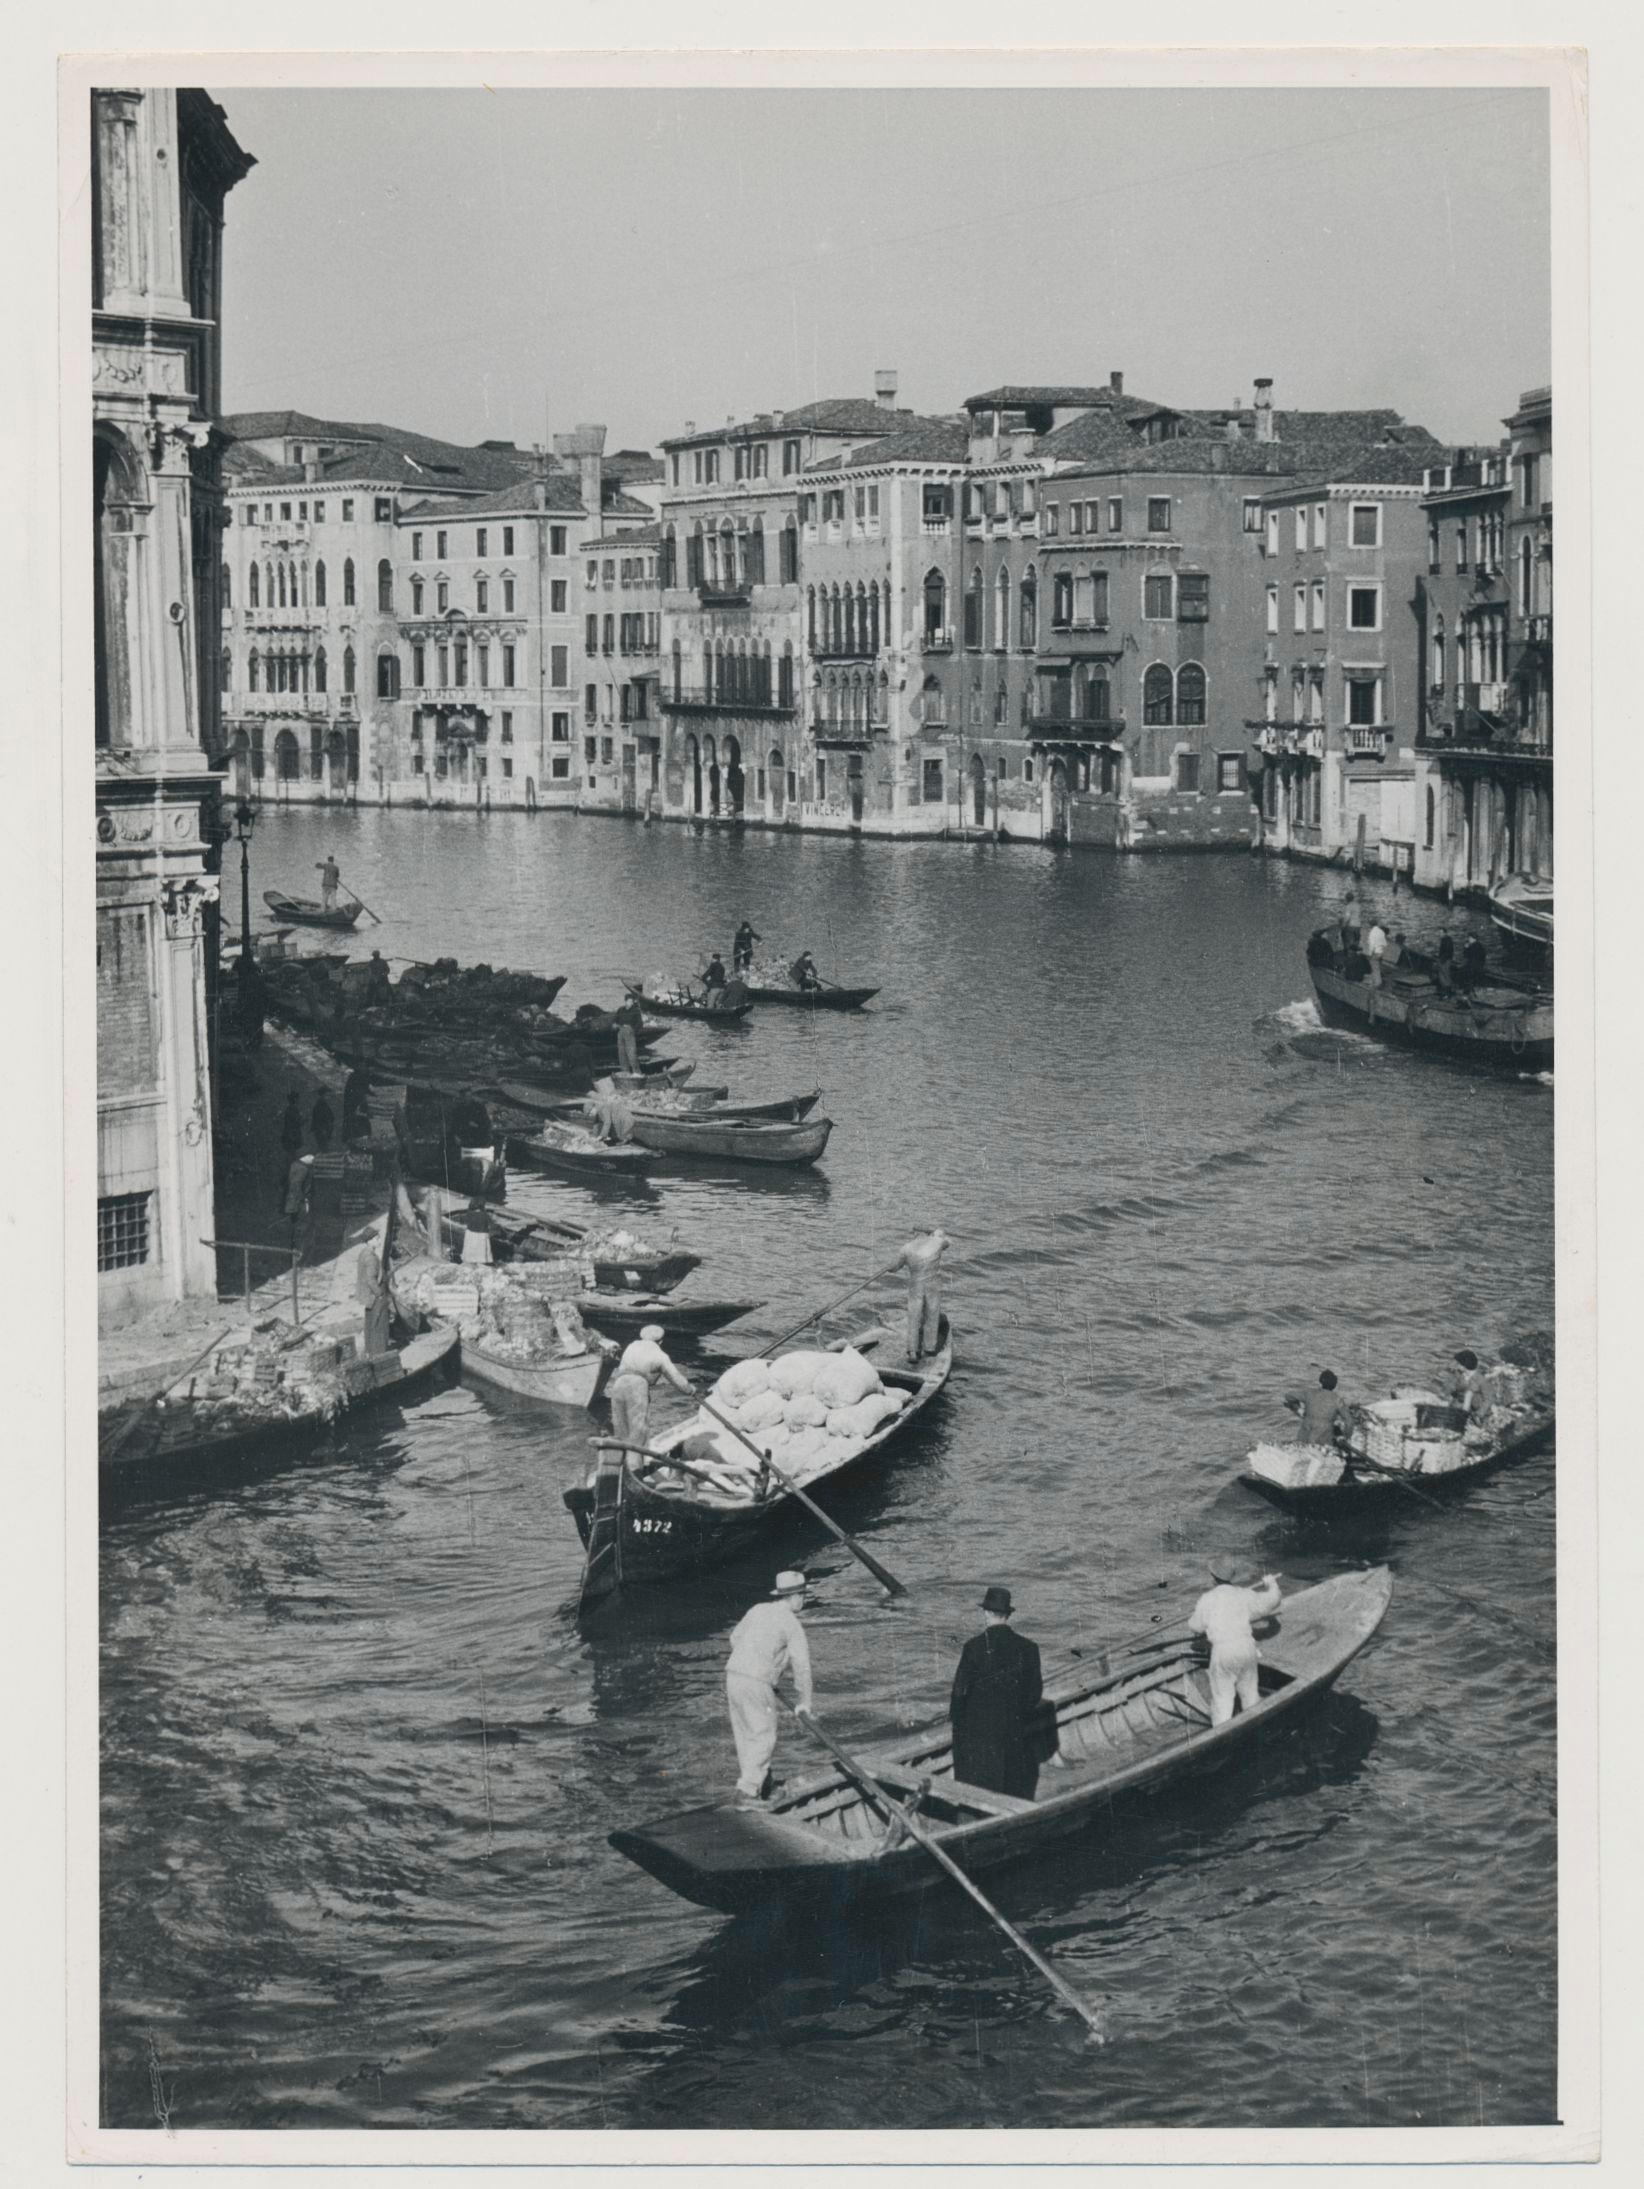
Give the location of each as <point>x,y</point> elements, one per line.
<point>1224,1616</point>
<point>642,1364</point>
<point>765,1643</point>
<point>1375,949</point>
<point>920,1258</point>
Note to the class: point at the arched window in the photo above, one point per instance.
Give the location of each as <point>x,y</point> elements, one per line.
<point>849,633</point>
<point>388,675</point>
<point>348,583</point>
<point>679,671</point>
<point>974,608</point>
<point>1029,616</point>
<point>319,585</point>
<point>254,668</point>
<point>416,596</point>
<point>873,619</point>
<point>727,555</point>
<point>1001,609</point>
<point>319,668</point>
<point>790,552</point>
<point>255,588</point>
<point>810,615</point>
<point>385,587</point>
<point>1156,694</point>
<point>348,658</point>
<point>1437,677</point>
<point>302,583</point>
<point>784,689</point>
<point>1526,577</point>
<point>228,586</point>
<point>932,707</point>
<point>756,552</point>
<point>228,670</point>
<point>279,581</point>
<point>693,555</point>
<point>936,605</point>
<point>1190,695</point>
<point>1431,816</point>
<point>268,583</point>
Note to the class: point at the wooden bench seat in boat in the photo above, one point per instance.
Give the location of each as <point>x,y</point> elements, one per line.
<point>957,1791</point>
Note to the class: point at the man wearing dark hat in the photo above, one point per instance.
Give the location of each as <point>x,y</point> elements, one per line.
<point>1323,1417</point>
<point>996,1694</point>
<point>766,1642</point>
<point>1225,1616</point>
<point>1467,1385</point>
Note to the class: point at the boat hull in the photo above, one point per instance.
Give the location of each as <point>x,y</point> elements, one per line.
<point>304,912</point>
<point>706,1109</point>
<point>737,1859</point>
<point>573,1160</point>
<point>814,999</point>
<point>624,1315</point>
<point>731,1014</point>
<point>1362,1492</point>
<point>707,1140</point>
<point>1523,910</point>
<point>576,1381</point>
<point>1516,1036</point>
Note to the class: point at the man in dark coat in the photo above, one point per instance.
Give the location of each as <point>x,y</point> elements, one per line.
<point>995,1705</point>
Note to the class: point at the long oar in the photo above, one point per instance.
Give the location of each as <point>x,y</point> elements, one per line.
<point>360,901</point>
<point>877,1795</point>
<point>881,1574</point>
<point>1395,1474</point>
<point>170,1384</point>
<point>889,1270</point>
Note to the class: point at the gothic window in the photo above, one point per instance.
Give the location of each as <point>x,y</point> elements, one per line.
<point>1029,614</point>
<point>348,583</point>
<point>1157,692</point>
<point>254,670</point>
<point>348,657</point>
<point>228,587</point>
<point>255,588</point>
<point>936,605</point>
<point>319,668</point>
<point>319,585</point>
<point>1190,695</point>
<point>973,608</point>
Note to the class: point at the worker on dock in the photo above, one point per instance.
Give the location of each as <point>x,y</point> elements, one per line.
<point>995,1704</point>
<point>322,1121</point>
<point>920,1258</point>
<point>299,1185</point>
<point>766,1642</point>
<point>742,947</point>
<point>643,1365</point>
<point>1225,1615</point>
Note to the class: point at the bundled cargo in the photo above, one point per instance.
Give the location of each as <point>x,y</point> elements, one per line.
<point>806,1410</point>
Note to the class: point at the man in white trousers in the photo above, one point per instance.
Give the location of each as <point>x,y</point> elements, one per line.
<point>1224,1615</point>
<point>765,1643</point>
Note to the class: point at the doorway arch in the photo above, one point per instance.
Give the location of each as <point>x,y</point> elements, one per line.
<point>286,756</point>
<point>735,782</point>
<point>776,777</point>
<point>978,791</point>
<point>1058,803</point>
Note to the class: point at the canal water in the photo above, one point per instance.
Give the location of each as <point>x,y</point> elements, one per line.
<point>359,1765</point>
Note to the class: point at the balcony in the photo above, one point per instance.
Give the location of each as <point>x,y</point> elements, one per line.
<point>712,594</point>
<point>315,705</point>
<point>857,649</point>
<point>937,642</point>
<point>705,703</point>
<point>1485,698</point>
<point>1367,741</point>
<point>1076,729</point>
<point>282,619</point>
<point>851,735</point>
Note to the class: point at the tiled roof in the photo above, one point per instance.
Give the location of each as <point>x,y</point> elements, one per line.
<point>639,535</point>
<point>618,504</point>
<point>634,463</point>
<point>1098,432</point>
<point>930,441</point>
<point>517,500</point>
<point>1193,453</point>
<point>1059,398</point>
<point>846,414</point>
<point>379,455</point>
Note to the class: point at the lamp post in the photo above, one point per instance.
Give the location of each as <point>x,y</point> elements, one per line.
<point>245,820</point>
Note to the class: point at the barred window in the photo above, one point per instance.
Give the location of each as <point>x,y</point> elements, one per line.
<point>122,1230</point>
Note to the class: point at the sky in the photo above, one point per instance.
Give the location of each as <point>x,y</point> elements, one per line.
<point>475,264</point>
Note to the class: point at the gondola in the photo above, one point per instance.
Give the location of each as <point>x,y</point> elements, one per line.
<point>573,1153</point>
<point>709,1014</point>
<point>706,1139</point>
<point>651,1526</point>
<point>624,1314</point>
<point>691,1105</point>
<point>1311,1484</point>
<point>1495,1022</point>
<point>1135,1726</point>
<point>304,912</point>
<point>825,997</point>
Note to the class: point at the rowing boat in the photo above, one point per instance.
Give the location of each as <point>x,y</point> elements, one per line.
<point>711,1014</point>
<point>1495,1022</point>
<point>1432,1459</point>
<point>708,1139</point>
<point>625,1314</point>
<point>575,1379</point>
<point>577,1154</point>
<point>630,1269</point>
<point>1522,908</point>
<point>691,1104</point>
<point>1139,1723</point>
<point>306,913</point>
<point>827,997</point>
<point>657,1523</point>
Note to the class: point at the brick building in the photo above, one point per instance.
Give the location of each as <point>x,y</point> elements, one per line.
<point>162,164</point>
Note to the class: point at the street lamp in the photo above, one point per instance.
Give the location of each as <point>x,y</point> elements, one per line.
<point>245,820</point>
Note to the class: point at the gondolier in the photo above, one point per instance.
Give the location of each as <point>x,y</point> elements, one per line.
<point>1224,1615</point>
<point>920,1258</point>
<point>330,877</point>
<point>995,1700</point>
<point>803,971</point>
<point>742,948</point>
<point>766,1642</point>
<point>641,1367</point>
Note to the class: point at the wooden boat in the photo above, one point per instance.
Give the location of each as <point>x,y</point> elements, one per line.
<point>1496,1022</point>
<point>449,1140</point>
<point>576,1154</point>
<point>185,1433</point>
<point>625,1314</point>
<point>692,1103</point>
<point>1522,907</point>
<point>826,996</point>
<point>567,1379</point>
<point>545,1239</point>
<point>1135,1724</point>
<point>711,1014</point>
<point>650,1527</point>
<point>707,1139</point>
<point>304,912</point>
<point>1431,1460</point>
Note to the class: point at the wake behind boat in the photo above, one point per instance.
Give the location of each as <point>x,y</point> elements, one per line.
<point>1129,1729</point>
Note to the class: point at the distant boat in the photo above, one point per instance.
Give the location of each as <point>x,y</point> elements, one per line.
<point>1393,1460</point>
<point>737,1140</point>
<point>1138,1721</point>
<point>681,1005</point>
<point>824,996</point>
<point>1495,1021</point>
<point>306,913</point>
<point>1522,907</point>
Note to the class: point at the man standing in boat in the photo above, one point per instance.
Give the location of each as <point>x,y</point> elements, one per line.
<point>920,1258</point>
<point>803,972</point>
<point>642,1366</point>
<point>714,978</point>
<point>629,1019</point>
<point>330,877</point>
<point>1225,1616</point>
<point>1322,1417</point>
<point>742,947</point>
<point>766,1642</point>
<point>995,1704</point>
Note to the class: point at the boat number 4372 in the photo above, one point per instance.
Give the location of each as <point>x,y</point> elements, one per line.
<point>652,1527</point>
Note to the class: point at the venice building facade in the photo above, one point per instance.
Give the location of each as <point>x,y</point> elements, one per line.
<point>162,164</point>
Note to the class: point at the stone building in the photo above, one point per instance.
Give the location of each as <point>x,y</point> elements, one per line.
<point>621,625</point>
<point>162,164</point>
<point>1485,752</point>
<point>733,638</point>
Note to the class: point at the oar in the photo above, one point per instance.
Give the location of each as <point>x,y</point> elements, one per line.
<point>1399,1475</point>
<point>889,1270</point>
<point>909,1820</point>
<point>885,1578</point>
<point>360,901</point>
<point>171,1383</point>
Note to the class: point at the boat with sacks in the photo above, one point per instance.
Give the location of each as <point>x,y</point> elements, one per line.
<point>1495,1021</point>
<point>1126,1728</point>
<point>699,1496</point>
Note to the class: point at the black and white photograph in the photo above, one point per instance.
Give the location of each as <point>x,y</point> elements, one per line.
<point>821,845</point>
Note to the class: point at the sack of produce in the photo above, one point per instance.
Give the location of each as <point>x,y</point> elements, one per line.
<point>792,1373</point>
<point>742,1381</point>
<point>805,1411</point>
<point>844,1378</point>
<point>809,1449</point>
<point>862,1419</point>
<point>762,1411</point>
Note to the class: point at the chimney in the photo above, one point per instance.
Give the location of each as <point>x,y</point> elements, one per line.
<point>586,448</point>
<point>777,417</point>
<point>884,390</point>
<point>311,467</point>
<point>1264,410</point>
<point>690,425</point>
<point>1116,381</point>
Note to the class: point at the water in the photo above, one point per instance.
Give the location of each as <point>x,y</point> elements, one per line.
<point>359,1765</point>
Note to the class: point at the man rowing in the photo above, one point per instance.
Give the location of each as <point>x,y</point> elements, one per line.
<point>803,973</point>
<point>330,876</point>
<point>1322,1417</point>
<point>742,947</point>
<point>766,1642</point>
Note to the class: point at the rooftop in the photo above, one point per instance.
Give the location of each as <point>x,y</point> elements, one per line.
<point>843,414</point>
<point>374,455</point>
<point>926,441</point>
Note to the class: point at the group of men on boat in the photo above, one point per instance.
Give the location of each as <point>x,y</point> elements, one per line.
<point>1374,954</point>
<point>802,972</point>
<point>1325,1419</point>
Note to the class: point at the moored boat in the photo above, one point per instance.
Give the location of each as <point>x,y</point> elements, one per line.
<point>625,1314</point>
<point>777,986</point>
<point>576,1379</point>
<point>620,1262</point>
<point>305,912</point>
<point>642,1522</point>
<point>1126,1730</point>
<point>680,1005</point>
<point>1496,1021</point>
<point>574,1153</point>
<point>1521,906</point>
<point>689,1103</point>
<point>734,1140</point>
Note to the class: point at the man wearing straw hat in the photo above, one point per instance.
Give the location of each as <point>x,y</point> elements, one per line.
<point>642,1364</point>
<point>1224,1615</point>
<point>766,1641</point>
